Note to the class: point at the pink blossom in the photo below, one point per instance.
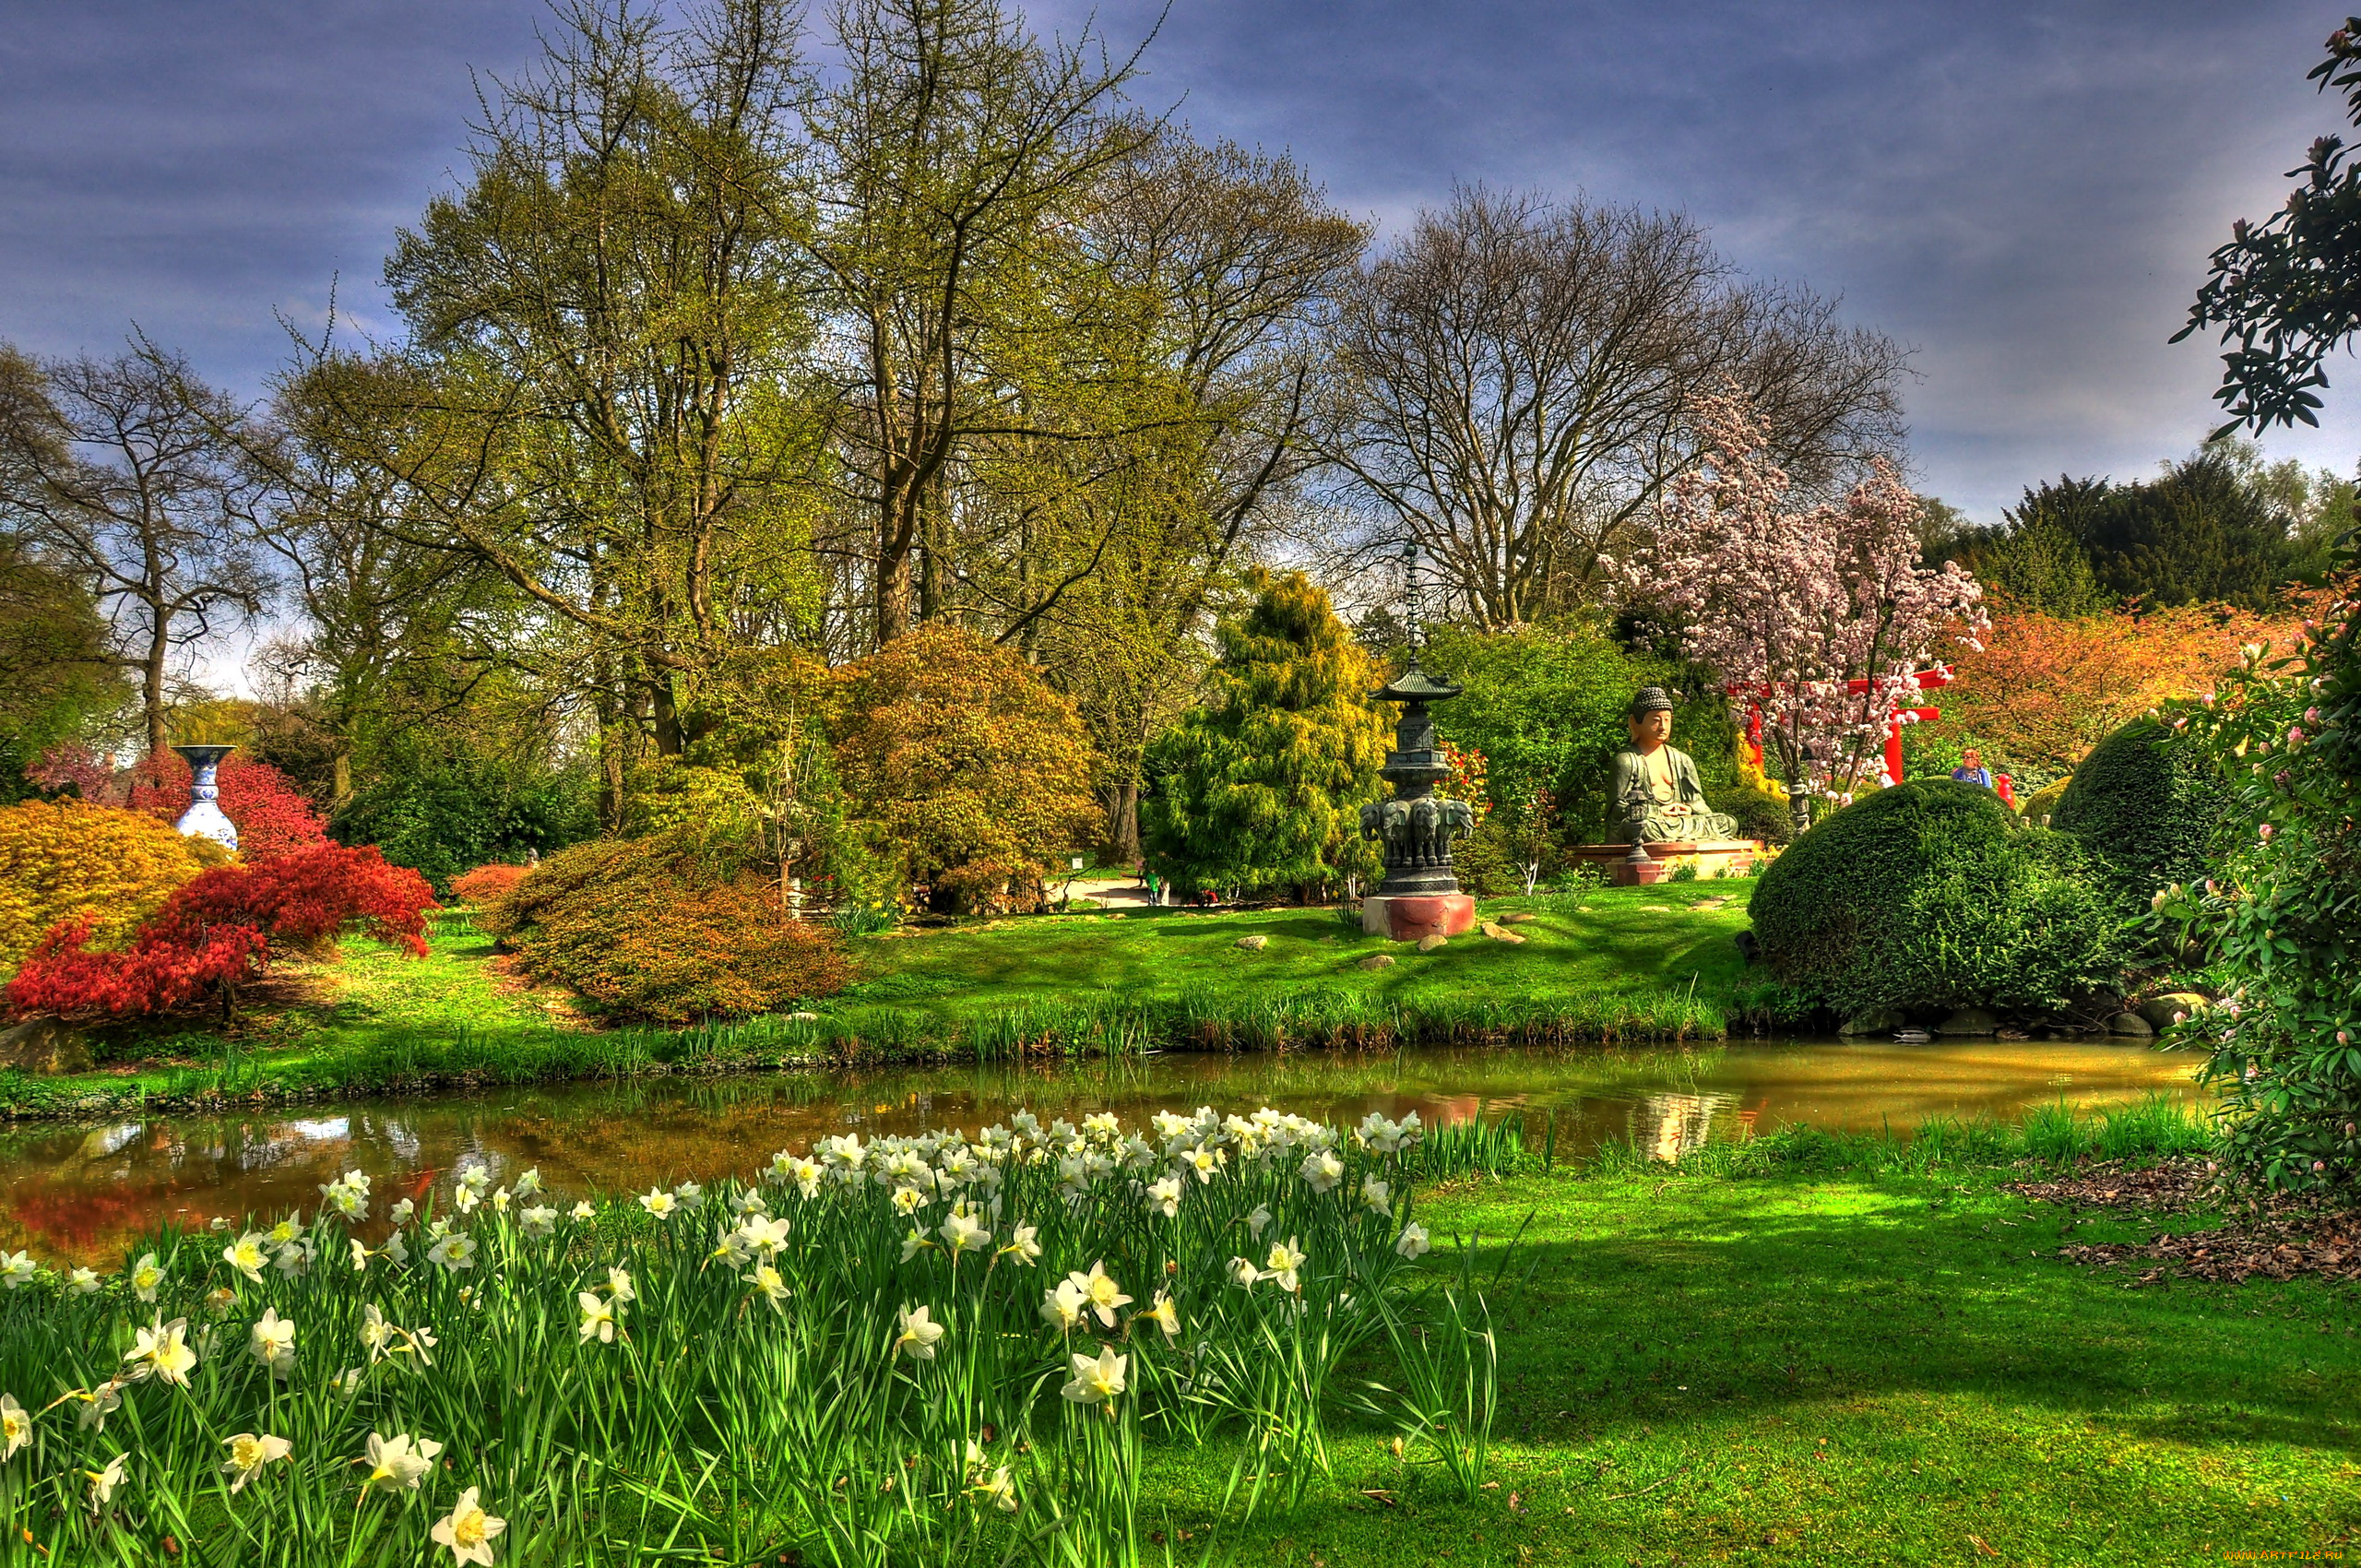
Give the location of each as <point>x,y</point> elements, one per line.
<point>2266,830</point>
<point>2343,1037</point>
<point>2296,736</point>
<point>2312,716</point>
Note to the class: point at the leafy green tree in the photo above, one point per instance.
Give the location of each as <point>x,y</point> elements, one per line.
<point>1261,787</point>
<point>61,673</point>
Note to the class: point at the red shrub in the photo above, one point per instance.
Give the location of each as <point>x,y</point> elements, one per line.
<point>218,928</point>
<point>272,816</point>
<point>484,883</point>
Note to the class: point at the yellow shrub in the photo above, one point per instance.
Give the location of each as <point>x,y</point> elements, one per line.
<point>59,860</point>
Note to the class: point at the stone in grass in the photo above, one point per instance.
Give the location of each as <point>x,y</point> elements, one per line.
<point>1432,941</point>
<point>1378,961</point>
<point>2162,1011</point>
<point>1253,944</point>
<point>2131,1024</point>
<point>1498,932</point>
<point>1970,1021</point>
<point>44,1045</point>
<point>1522,917</point>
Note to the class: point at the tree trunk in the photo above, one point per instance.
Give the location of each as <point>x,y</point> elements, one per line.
<point>151,682</point>
<point>1124,823</point>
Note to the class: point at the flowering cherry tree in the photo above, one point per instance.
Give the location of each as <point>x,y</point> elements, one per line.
<point>1818,618</point>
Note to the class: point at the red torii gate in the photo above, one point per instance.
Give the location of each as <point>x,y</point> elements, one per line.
<point>1928,679</point>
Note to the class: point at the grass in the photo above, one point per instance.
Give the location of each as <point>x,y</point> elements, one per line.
<point>1615,964</point>
<point>1843,1350</point>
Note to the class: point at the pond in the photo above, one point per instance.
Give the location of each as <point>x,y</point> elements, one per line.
<point>79,1194</point>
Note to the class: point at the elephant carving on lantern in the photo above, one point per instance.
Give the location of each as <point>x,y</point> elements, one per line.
<point>1418,832</point>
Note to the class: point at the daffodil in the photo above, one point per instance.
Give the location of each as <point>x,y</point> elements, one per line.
<point>361,1256</point>
<point>1023,1245</point>
<point>287,1229</point>
<point>539,1220</point>
<point>998,1490</point>
<point>467,1531</point>
<point>163,1350</point>
<point>1377,1196</point>
<point>1165,1316</point>
<point>660,1203</point>
<point>376,1334</point>
<point>1322,1170</point>
<point>1285,1259</point>
<point>762,1235</point>
<point>1412,1242</point>
<point>83,1282</point>
<point>597,1317</point>
<point>396,1250</point>
<point>15,1427</point>
<point>1242,1273</point>
<point>1063,1306</point>
<point>455,1251</point>
<point>147,1275</point>
<point>1100,1290</point>
<point>401,1212</point>
<point>961,1233</point>
<point>245,1255</point>
<point>689,1195</point>
<point>529,1183</point>
<point>914,1243</point>
<point>620,1286</point>
<point>1096,1380</point>
<point>918,1334</point>
<point>273,1342</point>
<point>1164,1197</point>
<point>1256,1221</point>
<point>397,1463</point>
<point>768,1284</point>
<point>346,1383</point>
<point>249,1454</point>
<point>582,1211</point>
<point>103,1482</point>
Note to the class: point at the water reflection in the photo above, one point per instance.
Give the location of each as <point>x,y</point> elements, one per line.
<point>81,1194</point>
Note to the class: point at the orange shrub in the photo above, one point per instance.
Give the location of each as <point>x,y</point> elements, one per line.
<point>61,861</point>
<point>484,883</point>
<point>657,929</point>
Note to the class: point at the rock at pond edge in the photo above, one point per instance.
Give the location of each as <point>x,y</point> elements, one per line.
<point>1970,1021</point>
<point>1873,1021</point>
<point>44,1046</point>
<point>2159,1010</point>
<point>2132,1026</point>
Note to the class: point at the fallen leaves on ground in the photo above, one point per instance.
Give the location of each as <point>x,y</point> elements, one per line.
<point>2268,1237</point>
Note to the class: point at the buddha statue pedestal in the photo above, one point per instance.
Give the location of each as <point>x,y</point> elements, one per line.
<point>1663,820</point>
<point>1712,857</point>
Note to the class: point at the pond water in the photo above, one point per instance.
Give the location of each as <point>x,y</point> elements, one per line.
<point>77,1192</point>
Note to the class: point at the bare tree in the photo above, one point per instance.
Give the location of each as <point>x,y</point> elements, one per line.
<point>1514,382</point>
<point>121,471</point>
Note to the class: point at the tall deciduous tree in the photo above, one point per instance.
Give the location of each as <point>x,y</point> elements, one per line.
<point>1517,382</point>
<point>1820,617</point>
<point>119,469</point>
<point>1261,787</point>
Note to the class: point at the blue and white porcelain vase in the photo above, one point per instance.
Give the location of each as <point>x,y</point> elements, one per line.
<point>204,817</point>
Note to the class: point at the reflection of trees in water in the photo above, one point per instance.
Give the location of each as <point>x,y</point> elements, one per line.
<point>1668,1125</point>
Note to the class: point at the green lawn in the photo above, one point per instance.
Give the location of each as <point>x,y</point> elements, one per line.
<point>1808,1367</point>
<point>1623,963</point>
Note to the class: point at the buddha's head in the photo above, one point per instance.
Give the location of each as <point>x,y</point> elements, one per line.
<point>1650,719</point>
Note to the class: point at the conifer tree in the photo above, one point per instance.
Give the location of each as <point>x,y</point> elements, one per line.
<point>1261,787</point>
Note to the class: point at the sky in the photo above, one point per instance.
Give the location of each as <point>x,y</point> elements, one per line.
<point>2024,194</point>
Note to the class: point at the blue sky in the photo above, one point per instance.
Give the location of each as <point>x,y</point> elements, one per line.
<point>2025,192</point>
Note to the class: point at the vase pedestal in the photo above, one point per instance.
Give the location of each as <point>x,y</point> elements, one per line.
<point>1407,918</point>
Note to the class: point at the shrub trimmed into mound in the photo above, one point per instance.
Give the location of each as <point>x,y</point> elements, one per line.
<point>60,861</point>
<point>2143,811</point>
<point>1930,895</point>
<point>664,929</point>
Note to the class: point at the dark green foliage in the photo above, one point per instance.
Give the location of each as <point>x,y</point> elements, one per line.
<point>1545,705</point>
<point>2144,813</point>
<point>55,673</point>
<point>1261,787</point>
<point>1932,895</point>
<point>1760,813</point>
<point>450,816</point>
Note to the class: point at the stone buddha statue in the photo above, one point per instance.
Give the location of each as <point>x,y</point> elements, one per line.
<point>1657,794</point>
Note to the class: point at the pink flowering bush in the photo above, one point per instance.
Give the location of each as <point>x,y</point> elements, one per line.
<point>1820,618</point>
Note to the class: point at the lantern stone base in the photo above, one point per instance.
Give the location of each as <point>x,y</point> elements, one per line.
<point>1712,857</point>
<point>1409,919</point>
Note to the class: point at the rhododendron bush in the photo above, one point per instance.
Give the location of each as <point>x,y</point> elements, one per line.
<point>1819,619</point>
<point>271,815</point>
<point>484,883</point>
<point>61,861</point>
<point>218,930</point>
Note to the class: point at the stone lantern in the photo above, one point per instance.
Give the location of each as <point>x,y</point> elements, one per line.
<point>1421,894</point>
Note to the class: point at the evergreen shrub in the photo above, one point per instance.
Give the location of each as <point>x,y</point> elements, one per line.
<point>1760,813</point>
<point>61,861</point>
<point>1932,895</point>
<point>665,929</point>
<point>2144,813</point>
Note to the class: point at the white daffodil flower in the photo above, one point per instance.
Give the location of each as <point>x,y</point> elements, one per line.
<point>660,1203</point>
<point>1377,1196</point>
<point>163,1350</point>
<point>918,1334</point>
<point>96,1404</point>
<point>1412,1243</point>
<point>397,1462</point>
<point>1096,1380</point>
<point>245,1255</point>
<point>620,1286</point>
<point>1285,1259</point>
<point>540,1220</point>
<point>1063,1306</point>
<point>1023,1245</point>
<point>1243,1274</point>
<point>1165,1316</point>
<point>768,1284</point>
<point>582,1211</point>
<point>146,1276</point>
<point>1322,1170</point>
<point>273,1342</point>
<point>468,1530</point>
<point>454,1251</point>
<point>103,1482</point>
<point>1164,1197</point>
<point>83,1282</point>
<point>249,1454</point>
<point>961,1233</point>
<point>15,1427</point>
<point>597,1317</point>
<point>1100,1288</point>
<point>1256,1221</point>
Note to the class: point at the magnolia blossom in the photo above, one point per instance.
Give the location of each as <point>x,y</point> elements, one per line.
<point>1819,619</point>
<point>249,1454</point>
<point>467,1531</point>
<point>397,1463</point>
